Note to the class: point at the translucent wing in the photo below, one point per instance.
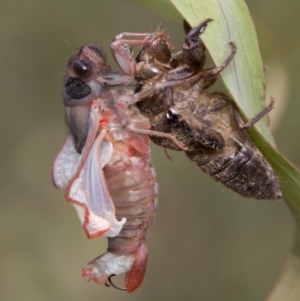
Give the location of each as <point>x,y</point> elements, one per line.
<point>86,188</point>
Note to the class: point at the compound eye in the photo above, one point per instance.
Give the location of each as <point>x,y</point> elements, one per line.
<point>82,69</point>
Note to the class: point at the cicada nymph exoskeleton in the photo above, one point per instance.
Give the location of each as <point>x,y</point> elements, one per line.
<point>208,124</point>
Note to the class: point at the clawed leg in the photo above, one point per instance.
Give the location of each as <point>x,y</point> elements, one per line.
<point>215,71</point>
<point>192,38</point>
<point>256,118</point>
<point>193,50</point>
<point>211,73</point>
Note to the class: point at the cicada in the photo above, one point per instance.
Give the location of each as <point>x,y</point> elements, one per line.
<point>104,164</point>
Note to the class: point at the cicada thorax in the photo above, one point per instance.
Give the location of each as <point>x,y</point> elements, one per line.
<point>206,124</point>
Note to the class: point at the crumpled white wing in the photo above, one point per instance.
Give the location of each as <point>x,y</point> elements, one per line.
<point>65,164</point>
<point>99,200</point>
<point>83,178</point>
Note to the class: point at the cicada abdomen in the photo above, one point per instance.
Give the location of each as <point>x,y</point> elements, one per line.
<point>104,166</point>
<point>132,186</point>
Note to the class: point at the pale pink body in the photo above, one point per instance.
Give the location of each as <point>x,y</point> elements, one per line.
<point>104,164</point>
<point>110,183</point>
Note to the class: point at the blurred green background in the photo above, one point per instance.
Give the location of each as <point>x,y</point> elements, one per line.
<point>206,242</point>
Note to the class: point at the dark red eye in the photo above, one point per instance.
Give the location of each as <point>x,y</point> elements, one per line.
<point>82,68</point>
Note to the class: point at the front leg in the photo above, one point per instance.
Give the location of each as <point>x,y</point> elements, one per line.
<point>193,49</point>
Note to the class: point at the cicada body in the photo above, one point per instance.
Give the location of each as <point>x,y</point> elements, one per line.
<point>104,166</point>
<point>207,124</point>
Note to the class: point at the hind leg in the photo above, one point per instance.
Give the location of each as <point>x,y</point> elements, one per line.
<point>252,121</point>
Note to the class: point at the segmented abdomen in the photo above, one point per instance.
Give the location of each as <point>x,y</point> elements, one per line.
<point>242,168</point>
<point>133,188</point>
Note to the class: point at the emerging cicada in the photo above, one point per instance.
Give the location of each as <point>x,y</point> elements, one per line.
<point>104,164</point>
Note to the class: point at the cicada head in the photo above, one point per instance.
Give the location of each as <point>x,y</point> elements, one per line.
<point>83,69</point>
<point>81,88</point>
<point>88,62</point>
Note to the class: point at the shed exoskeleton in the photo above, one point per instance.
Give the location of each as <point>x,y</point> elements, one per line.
<point>209,125</point>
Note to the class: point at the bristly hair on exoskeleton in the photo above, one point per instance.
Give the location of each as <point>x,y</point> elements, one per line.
<point>162,26</point>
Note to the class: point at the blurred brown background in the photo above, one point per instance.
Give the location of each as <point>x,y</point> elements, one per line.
<point>206,242</point>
